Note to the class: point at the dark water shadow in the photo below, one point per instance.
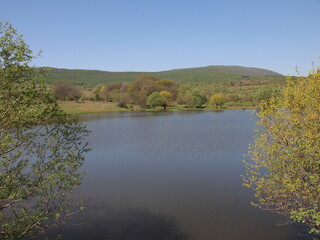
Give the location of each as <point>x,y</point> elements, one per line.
<point>100,222</point>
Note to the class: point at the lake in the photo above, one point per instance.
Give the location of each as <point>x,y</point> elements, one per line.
<point>171,176</point>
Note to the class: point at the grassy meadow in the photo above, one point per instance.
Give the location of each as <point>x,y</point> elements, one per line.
<point>72,107</point>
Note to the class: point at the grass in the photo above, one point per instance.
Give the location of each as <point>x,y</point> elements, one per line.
<point>71,107</point>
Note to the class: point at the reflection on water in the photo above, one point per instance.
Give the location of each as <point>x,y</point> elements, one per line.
<point>117,115</point>
<point>171,175</point>
<point>101,222</point>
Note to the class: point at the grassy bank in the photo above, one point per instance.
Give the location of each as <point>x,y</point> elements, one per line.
<point>72,107</point>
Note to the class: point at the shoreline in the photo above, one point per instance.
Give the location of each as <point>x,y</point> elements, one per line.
<point>90,107</point>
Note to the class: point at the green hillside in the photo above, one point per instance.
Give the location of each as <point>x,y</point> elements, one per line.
<point>181,76</point>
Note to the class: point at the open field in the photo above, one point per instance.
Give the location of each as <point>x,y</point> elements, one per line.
<point>72,107</point>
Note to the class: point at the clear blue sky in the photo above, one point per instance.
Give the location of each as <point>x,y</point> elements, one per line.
<point>155,35</point>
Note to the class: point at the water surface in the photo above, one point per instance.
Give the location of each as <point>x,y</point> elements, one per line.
<point>171,175</point>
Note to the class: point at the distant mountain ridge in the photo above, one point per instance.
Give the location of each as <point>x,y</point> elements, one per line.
<point>185,75</point>
<point>230,68</point>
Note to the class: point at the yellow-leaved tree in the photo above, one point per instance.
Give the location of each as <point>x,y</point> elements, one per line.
<point>284,170</point>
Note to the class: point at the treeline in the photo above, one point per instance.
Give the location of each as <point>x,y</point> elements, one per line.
<point>147,91</point>
<point>138,92</point>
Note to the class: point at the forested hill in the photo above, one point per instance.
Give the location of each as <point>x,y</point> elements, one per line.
<point>181,76</point>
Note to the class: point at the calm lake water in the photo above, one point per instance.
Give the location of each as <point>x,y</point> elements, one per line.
<point>171,176</point>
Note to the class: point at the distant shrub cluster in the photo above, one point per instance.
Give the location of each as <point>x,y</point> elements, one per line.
<point>65,91</point>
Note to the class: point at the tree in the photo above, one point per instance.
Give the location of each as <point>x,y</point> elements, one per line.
<point>142,87</point>
<point>284,170</point>
<point>154,100</point>
<point>217,100</point>
<point>40,149</point>
<point>170,86</point>
<point>166,98</point>
<point>66,91</point>
<point>184,94</point>
<point>166,82</point>
<point>264,94</point>
<point>122,99</point>
<point>195,99</point>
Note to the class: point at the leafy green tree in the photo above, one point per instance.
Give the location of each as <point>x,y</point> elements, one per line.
<point>170,86</point>
<point>40,149</point>
<point>217,100</point>
<point>284,170</point>
<point>143,86</point>
<point>166,98</point>
<point>195,100</point>
<point>184,94</point>
<point>154,100</point>
<point>166,82</point>
<point>264,94</point>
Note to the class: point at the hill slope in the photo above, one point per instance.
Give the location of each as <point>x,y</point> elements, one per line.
<point>181,76</point>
